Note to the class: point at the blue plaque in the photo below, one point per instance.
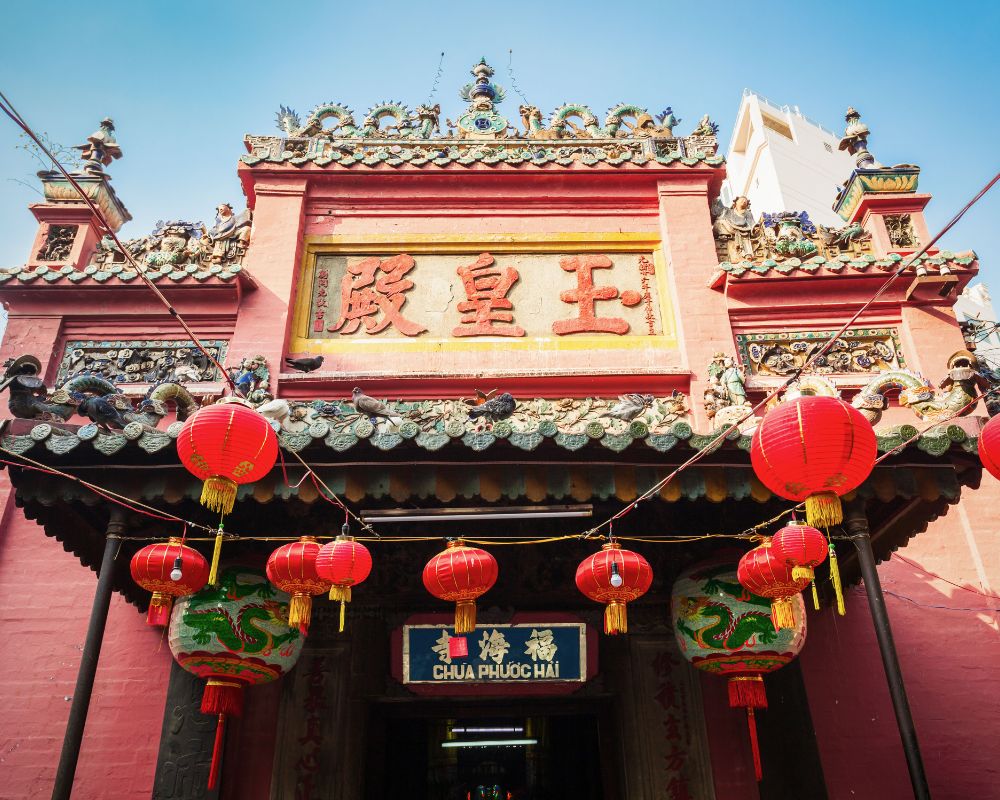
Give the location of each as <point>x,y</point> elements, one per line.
<point>540,652</point>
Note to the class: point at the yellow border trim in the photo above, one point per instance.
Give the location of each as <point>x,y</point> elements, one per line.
<point>541,243</point>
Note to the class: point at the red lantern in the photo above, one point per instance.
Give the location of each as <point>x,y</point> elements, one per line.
<point>344,563</point>
<point>461,574</point>
<point>765,574</point>
<point>814,449</point>
<point>292,568</point>
<point>615,577</point>
<point>168,570</point>
<point>802,547</point>
<point>226,444</point>
<point>989,446</point>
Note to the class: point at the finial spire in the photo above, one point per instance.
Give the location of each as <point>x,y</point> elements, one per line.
<point>855,141</point>
<point>100,149</point>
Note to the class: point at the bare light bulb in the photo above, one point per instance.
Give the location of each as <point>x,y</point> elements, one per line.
<point>616,577</point>
<point>175,573</point>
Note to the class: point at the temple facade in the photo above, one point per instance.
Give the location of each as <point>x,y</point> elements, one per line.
<point>505,328</point>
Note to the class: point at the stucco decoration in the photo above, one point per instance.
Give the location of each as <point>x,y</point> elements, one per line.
<point>81,394</point>
<point>781,237</point>
<point>860,350</point>
<point>392,135</point>
<point>141,360</point>
<point>954,396</point>
<point>58,243</point>
<point>183,247</point>
<point>725,397</point>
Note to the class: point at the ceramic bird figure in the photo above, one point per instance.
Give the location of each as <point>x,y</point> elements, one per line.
<point>629,406</point>
<point>102,412</point>
<point>373,408</point>
<point>306,364</point>
<point>500,407</point>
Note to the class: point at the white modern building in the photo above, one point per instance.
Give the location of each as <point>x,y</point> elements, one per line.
<point>783,161</point>
<point>975,312</point>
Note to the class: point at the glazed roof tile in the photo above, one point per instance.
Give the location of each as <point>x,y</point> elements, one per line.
<point>118,274</point>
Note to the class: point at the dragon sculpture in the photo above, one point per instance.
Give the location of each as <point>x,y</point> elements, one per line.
<point>957,391</point>
<point>30,399</point>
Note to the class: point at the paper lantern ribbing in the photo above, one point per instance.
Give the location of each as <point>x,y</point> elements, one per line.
<point>723,629</point>
<point>989,446</point>
<point>460,574</point>
<point>234,635</point>
<point>764,573</point>
<point>814,449</point>
<point>226,444</point>
<point>343,562</point>
<point>151,568</point>
<point>292,568</point>
<point>616,577</point>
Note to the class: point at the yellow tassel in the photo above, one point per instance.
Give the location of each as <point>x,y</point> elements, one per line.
<point>615,618</point>
<point>300,610</point>
<point>465,616</point>
<point>824,510</point>
<point>213,572</point>
<point>782,613</point>
<point>218,494</point>
<point>838,587</point>
<point>798,573</point>
<point>815,597</point>
<point>340,593</point>
<point>343,609</point>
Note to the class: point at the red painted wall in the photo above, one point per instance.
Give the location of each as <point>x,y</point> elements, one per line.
<point>45,599</point>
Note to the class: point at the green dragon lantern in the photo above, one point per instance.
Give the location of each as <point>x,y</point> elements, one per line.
<point>723,629</point>
<point>234,634</point>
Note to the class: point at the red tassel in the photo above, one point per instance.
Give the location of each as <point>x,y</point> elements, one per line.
<point>220,737</point>
<point>222,697</point>
<point>754,746</point>
<point>747,691</point>
<point>159,610</point>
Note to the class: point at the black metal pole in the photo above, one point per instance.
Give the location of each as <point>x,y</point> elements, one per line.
<point>63,787</point>
<point>857,527</point>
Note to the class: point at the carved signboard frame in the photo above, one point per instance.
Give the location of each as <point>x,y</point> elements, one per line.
<point>640,243</point>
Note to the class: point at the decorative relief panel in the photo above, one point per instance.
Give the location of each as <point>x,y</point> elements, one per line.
<point>58,243</point>
<point>780,353</point>
<point>141,361</point>
<point>900,230</point>
<point>484,294</point>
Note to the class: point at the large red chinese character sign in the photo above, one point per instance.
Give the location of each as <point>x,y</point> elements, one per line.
<point>376,302</point>
<point>487,311</point>
<point>465,296</point>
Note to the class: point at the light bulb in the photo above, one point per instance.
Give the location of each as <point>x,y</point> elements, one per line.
<point>616,578</point>
<point>175,573</point>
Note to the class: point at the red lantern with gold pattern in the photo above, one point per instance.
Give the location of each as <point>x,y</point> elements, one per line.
<point>615,577</point>
<point>460,574</point>
<point>292,568</point>
<point>225,445</point>
<point>814,449</point>
<point>168,569</point>
<point>343,562</point>
<point>989,446</point>
<point>764,573</point>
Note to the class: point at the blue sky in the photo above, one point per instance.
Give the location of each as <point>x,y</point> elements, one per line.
<point>184,81</point>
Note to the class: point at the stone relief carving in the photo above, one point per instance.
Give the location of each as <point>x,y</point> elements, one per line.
<point>780,353</point>
<point>141,361</point>
<point>58,243</point>
<point>725,397</point>
<point>900,230</point>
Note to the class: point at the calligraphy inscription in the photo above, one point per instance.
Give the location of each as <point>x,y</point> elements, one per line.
<point>484,295</point>
<point>539,652</point>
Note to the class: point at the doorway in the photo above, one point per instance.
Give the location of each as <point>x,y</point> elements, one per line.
<point>513,753</point>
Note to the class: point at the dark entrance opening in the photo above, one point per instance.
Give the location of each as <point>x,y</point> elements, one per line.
<point>434,752</point>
